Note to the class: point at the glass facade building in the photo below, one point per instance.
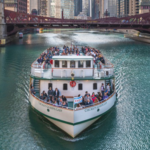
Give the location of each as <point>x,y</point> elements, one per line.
<point>97,3</point>
<point>77,7</point>
<point>85,7</point>
<point>68,8</point>
<point>112,8</point>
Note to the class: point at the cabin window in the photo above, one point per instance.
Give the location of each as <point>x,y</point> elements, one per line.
<point>50,85</point>
<point>107,73</point>
<point>94,86</point>
<point>80,86</point>
<point>80,64</point>
<point>65,86</point>
<point>57,63</point>
<point>72,64</point>
<point>64,64</point>
<point>88,63</point>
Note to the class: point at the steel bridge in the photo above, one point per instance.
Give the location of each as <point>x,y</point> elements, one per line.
<point>17,21</point>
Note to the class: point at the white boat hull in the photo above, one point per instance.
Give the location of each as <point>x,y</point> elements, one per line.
<point>71,130</point>
<point>72,122</point>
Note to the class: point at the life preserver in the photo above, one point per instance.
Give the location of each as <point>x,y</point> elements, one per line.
<point>72,83</point>
<point>51,61</point>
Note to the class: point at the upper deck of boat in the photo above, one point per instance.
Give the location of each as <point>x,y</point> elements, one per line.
<point>84,62</point>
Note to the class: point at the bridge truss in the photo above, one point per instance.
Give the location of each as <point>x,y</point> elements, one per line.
<point>17,21</point>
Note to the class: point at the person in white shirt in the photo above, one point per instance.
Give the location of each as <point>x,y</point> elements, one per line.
<point>108,89</point>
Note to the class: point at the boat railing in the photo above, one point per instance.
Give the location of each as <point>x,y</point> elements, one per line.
<point>75,108</point>
<point>103,72</point>
<point>91,73</point>
<point>94,104</point>
<point>41,72</point>
<point>65,107</point>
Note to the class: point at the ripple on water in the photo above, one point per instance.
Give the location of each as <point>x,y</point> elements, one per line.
<point>125,127</point>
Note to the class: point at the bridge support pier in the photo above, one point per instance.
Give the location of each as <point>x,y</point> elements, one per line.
<point>3,34</point>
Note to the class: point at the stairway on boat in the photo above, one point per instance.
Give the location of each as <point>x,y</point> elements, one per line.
<point>37,87</point>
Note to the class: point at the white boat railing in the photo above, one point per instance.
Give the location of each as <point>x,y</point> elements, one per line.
<point>75,108</point>
<point>41,73</point>
<point>65,107</point>
<point>49,73</point>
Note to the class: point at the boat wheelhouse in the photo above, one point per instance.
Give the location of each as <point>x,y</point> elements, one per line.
<point>72,73</point>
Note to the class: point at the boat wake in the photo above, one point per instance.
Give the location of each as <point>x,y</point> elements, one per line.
<point>75,139</point>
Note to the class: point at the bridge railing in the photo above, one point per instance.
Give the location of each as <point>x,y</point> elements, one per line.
<point>15,17</point>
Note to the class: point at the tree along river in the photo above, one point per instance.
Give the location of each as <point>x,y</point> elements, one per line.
<point>126,126</point>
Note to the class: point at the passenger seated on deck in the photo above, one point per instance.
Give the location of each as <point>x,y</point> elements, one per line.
<point>42,97</point>
<point>87,97</point>
<point>53,99</point>
<point>44,94</point>
<point>60,102</point>
<point>57,100</point>
<point>55,103</point>
<point>64,98</point>
<point>86,93</point>
<point>33,91</point>
<point>93,97</point>
<point>64,104</point>
<point>48,101</point>
<point>105,96</point>
<point>45,99</point>
<point>40,60</point>
<point>78,106</point>
<point>89,102</point>
<point>99,96</point>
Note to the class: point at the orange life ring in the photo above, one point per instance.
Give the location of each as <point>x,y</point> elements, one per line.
<point>72,83</point>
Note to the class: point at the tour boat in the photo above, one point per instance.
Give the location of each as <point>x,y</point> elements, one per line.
<point>73,75</point>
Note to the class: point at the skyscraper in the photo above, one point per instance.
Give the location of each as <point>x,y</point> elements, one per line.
<point>43,7</point>
<point>33,6</point>
<point>85,7</point>
<point>16,5</point>
<point>77,7</point>
<point>97,3</point>
<point>108,8</point>
<point>123,8</point>
<point>101,8</point>
<point>68,8</point>
<point>92,8</point>
<point>55,8</point>
<point>133,7</point>
<point>112,8</point>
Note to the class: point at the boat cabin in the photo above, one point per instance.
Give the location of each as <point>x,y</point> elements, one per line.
<point>66,66</point>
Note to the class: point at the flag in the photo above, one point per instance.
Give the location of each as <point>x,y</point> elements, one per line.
<point>77,100</point>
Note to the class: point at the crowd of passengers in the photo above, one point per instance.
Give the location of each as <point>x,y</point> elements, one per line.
<point>87,51</point>
<point>52,97</point>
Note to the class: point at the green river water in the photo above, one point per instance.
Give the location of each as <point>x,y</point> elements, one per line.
<point>125,127</point>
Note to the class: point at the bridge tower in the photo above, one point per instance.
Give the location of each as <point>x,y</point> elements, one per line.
<point>2,24</point>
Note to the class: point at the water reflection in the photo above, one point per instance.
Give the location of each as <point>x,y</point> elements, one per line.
<point>126,126</point>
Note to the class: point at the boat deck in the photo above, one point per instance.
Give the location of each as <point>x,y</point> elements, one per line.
<point>99,69</point>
